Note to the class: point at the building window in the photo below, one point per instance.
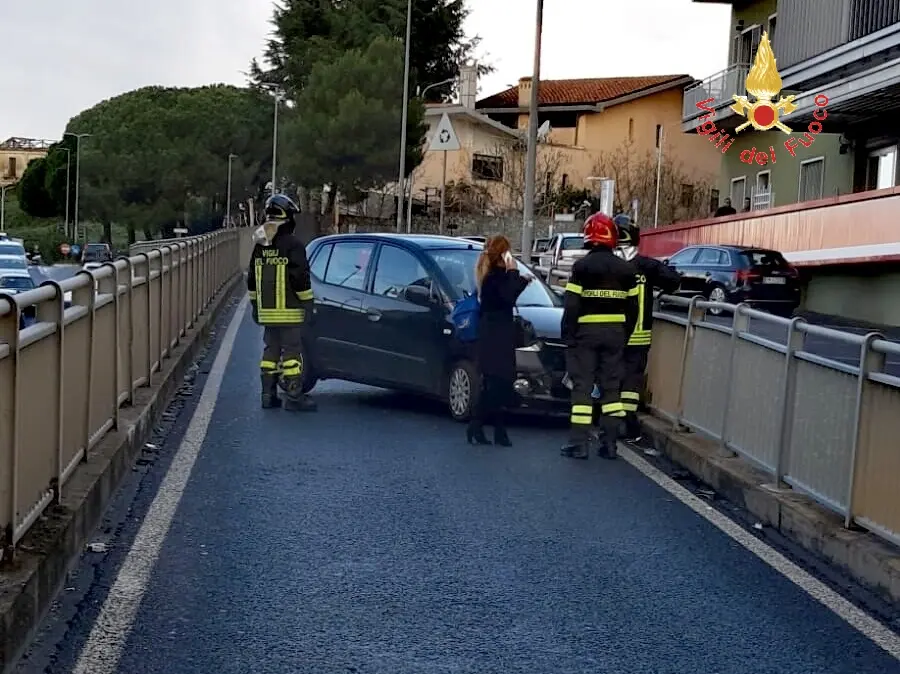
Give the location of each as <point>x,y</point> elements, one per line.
<point>630,129</point>
<point>565,180</point>
<point>812,179</point>
<point>738,190</point>
<point>486,167</point>
<point>745,45</point>
<point>687,195</point>
<point>659,137</point>
<point>881,168</point>
<point>762,194</point>
<point>771,29</point>
<point>11,168</point>
<point>713,201</point>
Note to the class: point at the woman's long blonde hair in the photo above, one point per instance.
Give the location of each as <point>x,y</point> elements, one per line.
<point>492,256</point>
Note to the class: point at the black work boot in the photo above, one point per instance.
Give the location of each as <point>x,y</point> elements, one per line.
<point>501,437</point>
<point>606,444</point>
<point>575,450</point>
<point>632,428</point>
<point>294,398</point>
<point>269,397</point>
<point>475,433</point>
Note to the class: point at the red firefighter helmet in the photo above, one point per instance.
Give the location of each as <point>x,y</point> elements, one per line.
<point>600,230</point>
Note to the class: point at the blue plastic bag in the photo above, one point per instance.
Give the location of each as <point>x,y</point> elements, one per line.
<point>465,318</point>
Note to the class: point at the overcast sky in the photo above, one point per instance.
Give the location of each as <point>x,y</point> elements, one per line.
<point>65,56</point>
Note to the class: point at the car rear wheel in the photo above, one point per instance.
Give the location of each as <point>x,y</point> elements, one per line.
<point>309,377</point>
<point>716,294</point>
<point>463,388</point>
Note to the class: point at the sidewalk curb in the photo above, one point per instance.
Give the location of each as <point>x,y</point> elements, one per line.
<point>56,542</point>
<point>872,562</point>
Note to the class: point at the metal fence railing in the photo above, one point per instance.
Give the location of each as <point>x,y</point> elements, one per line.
<point>64,378</point>
<point>823,427</point>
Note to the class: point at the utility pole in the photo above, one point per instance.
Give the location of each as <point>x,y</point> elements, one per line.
<point>274,144</point>
<point>68,185</point>
<point>78,137</point>
<point>404,117</point>
<point>659,151</point>
<point>228,196</point>
<point>531,156</point>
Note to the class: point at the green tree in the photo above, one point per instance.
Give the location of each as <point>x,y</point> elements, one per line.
<point>310,31</point>
<point>31,190</point>
<point>344,128</point>
<point>154,152</point>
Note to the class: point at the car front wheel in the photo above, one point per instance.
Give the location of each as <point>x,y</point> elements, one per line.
<point>463,388</point>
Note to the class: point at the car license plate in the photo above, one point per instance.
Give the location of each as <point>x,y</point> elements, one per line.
<point>774,280</point>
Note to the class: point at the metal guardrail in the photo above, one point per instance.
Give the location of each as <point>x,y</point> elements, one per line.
<point>64,378</point>
<point>819,426</point>
<point>720,87</point>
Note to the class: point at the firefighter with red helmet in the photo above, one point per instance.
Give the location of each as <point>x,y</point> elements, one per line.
<point>600,311</point>
<point>651,274</point>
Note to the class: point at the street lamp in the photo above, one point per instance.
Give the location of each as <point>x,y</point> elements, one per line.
<point>228,197</point>
<point>531,156</point>
<point>404,116</point>
<point>78,137</point>
<point>278,98</point>
<point>68,184</point>
<point>419,93</point>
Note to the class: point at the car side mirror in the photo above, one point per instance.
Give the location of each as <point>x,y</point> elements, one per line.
<point>419,295</point>
<point>666,262</point>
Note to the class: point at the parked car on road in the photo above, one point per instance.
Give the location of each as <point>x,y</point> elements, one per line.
<point>555,262</point>
<point>13,282</point>
<point>95,255</point>
<point>760,277</point>
<point>383,304</point>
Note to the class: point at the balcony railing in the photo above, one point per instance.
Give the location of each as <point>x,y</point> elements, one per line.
<point>720,87</point>
<point>760,200</point>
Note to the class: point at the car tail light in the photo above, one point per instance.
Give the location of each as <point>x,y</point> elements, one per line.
<point>746,276</point>
<point>792,271</point>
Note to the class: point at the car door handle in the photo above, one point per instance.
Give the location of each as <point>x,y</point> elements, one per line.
<point>373,314</point>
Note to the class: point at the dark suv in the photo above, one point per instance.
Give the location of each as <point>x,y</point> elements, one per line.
<point>760,277</point>
<point>382,317</point>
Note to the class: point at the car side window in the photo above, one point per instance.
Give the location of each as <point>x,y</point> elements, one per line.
<point>684,256</point>
<point>397,269</point>
<point>320,261</point>
<point>711,256</point>
<point>349,264</point>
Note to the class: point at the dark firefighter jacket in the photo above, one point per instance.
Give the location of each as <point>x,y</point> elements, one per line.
<point>278,277</point>
<point>602,290</point>
<point>651,274</point>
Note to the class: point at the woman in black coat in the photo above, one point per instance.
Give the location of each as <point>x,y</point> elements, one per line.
<point>499,285</point>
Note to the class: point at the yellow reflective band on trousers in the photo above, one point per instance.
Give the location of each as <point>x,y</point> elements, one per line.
<point>612,409</point>
<point>630,407</point>
<point>280,313</point>
<point>602,318</point>
<point>631,395</point>
<point>582,414</point>
<point>641,335</point>
<point>292,368</point>
<point>268,365</point>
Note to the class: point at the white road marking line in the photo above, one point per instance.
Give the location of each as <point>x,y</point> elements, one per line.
<point>867,625</point>
<point>106,642</point>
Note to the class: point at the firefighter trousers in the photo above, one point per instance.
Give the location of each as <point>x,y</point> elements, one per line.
<point>596,356</point>
<point>635,361</point>
<point>282,358</point>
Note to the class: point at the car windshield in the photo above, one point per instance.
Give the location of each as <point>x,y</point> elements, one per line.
<point>458,266</point>
<point>16,282</point>
<point>12,249</point>
<point>573,243</point>
<point>97,254</point>
<point>764,258</point>
<point>13,263</point>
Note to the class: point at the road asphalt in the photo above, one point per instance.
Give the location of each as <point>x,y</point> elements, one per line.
<point>369,537</point>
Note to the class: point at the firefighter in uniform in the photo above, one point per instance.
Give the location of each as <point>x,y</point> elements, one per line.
<point>282,300</point>
<point>651,274</point>
<point>600,310</point>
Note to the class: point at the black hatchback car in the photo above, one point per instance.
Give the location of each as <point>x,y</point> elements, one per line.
<point>382,317</point>
<point>762,278</point>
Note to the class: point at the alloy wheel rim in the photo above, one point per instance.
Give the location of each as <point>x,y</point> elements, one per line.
<point>460,390</point>
<point>716,295</point>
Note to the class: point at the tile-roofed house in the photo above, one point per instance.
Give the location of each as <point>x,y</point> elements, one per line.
<point>589,91</point>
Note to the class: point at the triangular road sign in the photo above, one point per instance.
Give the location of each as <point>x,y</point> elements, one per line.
<point>445,138</point>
